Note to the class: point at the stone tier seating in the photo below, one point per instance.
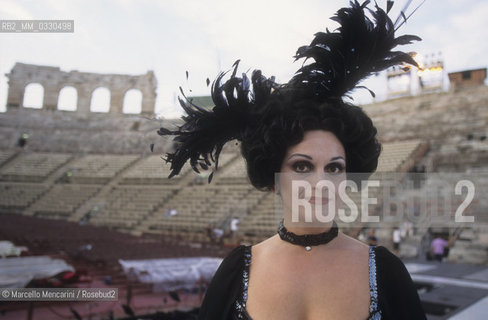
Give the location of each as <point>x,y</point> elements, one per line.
<point>18,196</point>
<point>395,154</point>
<point>152,170</point>
<point>264,219</point>
<point>234,173</point>
<point>197,207</point>
<point>32,166</point>
<point>98,168</point>
<point>63,199</point>
<point>126,206</point>
<point>5,155</point>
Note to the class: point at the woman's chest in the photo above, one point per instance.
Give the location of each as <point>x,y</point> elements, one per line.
<point>338,290</point>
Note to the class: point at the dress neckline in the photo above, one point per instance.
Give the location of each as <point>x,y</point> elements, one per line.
<point>374,312</point>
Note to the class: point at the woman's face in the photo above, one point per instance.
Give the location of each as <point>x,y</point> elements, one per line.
<point>310,174</point>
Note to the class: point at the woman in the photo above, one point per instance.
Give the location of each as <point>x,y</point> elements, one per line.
<point>304,131</point>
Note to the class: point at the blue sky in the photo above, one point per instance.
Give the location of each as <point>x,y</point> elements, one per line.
<point>204,37</point>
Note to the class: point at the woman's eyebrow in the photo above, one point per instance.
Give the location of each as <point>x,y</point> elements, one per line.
<point>337,158</point>
<point>309,157</point>
<point>301,155</point>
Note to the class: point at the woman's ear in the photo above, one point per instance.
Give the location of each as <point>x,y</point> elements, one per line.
<point>276,187</point>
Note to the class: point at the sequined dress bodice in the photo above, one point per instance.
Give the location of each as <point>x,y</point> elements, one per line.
<point>240,312</point>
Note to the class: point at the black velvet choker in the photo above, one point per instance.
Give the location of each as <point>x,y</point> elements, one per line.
<point>307,240</point>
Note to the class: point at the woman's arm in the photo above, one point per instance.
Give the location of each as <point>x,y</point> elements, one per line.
<point>224,288</point>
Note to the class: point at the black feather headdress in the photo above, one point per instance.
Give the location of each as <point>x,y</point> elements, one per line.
<point>204,132</point>
<point>360,47</point>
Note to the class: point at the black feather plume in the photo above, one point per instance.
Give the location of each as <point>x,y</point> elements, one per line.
<point>360,47</point>
<point>204,132</point>
<point>389,4</point>
<point>128,310</point>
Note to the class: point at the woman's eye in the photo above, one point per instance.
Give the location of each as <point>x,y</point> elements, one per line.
<point>302,167</point>
<point>335,168</point>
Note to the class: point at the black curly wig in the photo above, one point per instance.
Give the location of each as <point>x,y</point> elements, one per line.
<point>283,124</point>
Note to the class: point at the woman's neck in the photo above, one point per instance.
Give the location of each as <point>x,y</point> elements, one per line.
<point>308,228</point>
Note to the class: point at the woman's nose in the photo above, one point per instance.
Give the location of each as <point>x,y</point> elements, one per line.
<point>317,176</point>
<point>324,180</point>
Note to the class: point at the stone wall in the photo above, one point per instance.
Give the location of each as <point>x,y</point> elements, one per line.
<point>53,80</point>
<point>455,123</point>
<point>66,131</point>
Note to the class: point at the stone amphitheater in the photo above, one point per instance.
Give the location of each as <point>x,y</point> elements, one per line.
<point>98,169</point>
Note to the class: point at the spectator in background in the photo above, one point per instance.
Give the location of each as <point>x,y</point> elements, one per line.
<point>170,212</point>
<point>233,228</point>
<point>397,239</point>
<point>210,233</point>
<point>407,229</point>
<point>372,240</point>
<point>438,248</point>
<point>425,243</point>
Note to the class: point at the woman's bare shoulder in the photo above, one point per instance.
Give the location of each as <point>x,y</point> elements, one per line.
<point>347,249</point>
<point>268,244</point>
<point>350,244</point>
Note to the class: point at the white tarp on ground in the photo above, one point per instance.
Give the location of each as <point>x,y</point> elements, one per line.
<point>7,248</point>
<point>171,274</point>
<point>17,272</point>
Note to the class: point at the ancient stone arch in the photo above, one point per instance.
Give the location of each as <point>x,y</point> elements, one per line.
<point>33,95</point>
<point>132,99</point>
<point>100,97</point>
<point>53,80</point>
<point>68,98</point>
